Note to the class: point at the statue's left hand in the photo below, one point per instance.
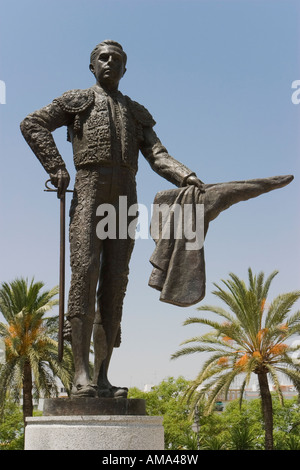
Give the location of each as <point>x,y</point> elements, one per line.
<point>193,180</point>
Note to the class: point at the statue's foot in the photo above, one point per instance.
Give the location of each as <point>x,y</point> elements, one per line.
<point>119,392</point>
<point>89,390</point>
<point>113,392</point>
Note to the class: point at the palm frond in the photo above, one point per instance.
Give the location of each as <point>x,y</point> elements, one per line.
<point>193,350</point>
<point>276,382</point>
<point>218,310</point>
<point>280,308</point>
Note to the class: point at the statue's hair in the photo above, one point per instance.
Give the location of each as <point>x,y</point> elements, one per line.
<point>107,42</point>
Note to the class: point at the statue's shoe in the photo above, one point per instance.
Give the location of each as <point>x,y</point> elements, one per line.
<point>89,390</point>
<point>113,392</point>
<point>119,392</point>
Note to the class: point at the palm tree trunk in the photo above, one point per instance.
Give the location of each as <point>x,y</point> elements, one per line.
<point>267,409</point>
<point>27,392</point>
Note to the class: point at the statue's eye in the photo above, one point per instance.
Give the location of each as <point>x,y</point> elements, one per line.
<point>103,57</point>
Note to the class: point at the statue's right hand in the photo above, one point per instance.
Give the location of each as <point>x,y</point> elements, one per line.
<point>60,179</point>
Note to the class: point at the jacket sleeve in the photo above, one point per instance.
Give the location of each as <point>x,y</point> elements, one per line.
<point>37,130</point>
<point>160,160</point>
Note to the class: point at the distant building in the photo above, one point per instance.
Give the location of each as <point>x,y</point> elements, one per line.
<point>288,391</point>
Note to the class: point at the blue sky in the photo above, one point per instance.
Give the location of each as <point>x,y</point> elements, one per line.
<point>216,75</point>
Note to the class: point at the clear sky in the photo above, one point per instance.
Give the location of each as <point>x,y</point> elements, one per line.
<point>217,76</point>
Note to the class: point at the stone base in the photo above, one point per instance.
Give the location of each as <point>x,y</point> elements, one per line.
<point>88,406</point>
<point>94,433</point>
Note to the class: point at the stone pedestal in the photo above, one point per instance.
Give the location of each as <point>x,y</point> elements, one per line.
<point>94,433</point>
<point>94,424</point>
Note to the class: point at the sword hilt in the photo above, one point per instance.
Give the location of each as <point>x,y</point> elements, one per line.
<point>54,190</point>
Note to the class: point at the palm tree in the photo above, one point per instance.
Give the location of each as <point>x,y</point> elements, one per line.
<point>252,339</point>
<point>31,360</point>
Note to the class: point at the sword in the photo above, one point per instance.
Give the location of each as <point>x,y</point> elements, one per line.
<point>61,268</point>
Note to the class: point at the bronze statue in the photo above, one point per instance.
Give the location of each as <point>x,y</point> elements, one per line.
<point>107,130</point>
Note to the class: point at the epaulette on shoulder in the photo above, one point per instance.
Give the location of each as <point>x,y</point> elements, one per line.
<point>76,101</point>
<point>140,113</point>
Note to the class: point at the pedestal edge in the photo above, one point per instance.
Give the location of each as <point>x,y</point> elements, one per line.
<point>96,419</point>
<point>94,406</point>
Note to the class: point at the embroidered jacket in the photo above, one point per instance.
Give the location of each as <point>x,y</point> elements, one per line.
<point>105,129</point>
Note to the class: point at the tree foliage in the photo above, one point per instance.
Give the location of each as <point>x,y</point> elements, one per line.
<point>252,338</point>
<point>31,365</point>
<point>12,427</point>
<point>239,427</point>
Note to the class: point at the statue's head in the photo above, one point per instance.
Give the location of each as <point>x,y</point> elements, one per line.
<point>108,63</point>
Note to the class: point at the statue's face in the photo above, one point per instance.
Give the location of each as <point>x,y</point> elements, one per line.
<point>109,67</point>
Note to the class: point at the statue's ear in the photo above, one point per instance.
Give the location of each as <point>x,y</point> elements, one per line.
<point>92,69</point>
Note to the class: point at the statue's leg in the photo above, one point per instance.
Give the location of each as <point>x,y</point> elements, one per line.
<point>100,347</point>
<point>113,279</point>
<point>220,196</point>
<point>84,258</point>
<point>111,292</point>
